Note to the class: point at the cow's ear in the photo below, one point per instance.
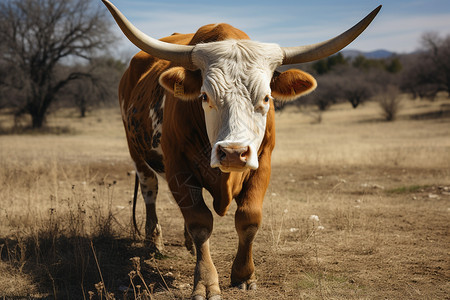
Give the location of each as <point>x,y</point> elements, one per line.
<point>182,83</point>
<point>291,84</point>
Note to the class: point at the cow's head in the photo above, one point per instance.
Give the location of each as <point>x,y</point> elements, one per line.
<point>236,84</point>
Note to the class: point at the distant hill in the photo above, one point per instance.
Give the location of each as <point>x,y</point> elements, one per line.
<point>377,54</point>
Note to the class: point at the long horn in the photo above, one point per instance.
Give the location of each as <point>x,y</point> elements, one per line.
<point>178,54</point>
<point>302,54</point>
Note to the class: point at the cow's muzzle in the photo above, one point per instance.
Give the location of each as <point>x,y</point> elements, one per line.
<point>233,157</point>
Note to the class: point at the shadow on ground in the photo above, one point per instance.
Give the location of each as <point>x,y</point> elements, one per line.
<point>67,268</point>
<point>443,112</point>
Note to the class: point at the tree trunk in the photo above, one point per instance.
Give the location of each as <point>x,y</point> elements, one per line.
<point>83,107</point>
<point>354,101</point>
<point>38,110</point>
<point>37,119</point>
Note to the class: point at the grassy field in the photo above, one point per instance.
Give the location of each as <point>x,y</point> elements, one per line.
<point>357,208</point>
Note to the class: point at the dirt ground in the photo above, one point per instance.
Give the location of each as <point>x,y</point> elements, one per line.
<point>357,208</point>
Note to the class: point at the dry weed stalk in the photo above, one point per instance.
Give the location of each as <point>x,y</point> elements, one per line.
<point>316,227</point>
<point>162,277</point>
<point>100,287</point>
<point>70,218</point>
<point>137,265</point>
<point>276,241</point>
<point>147,292</point>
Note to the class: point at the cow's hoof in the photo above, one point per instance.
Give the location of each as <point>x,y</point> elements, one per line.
<point>200,297</point>
<point>157,238</point>
<point>246,286</point>
<point>152,247</point>
<point>153,239</point>
<point>252,286</point>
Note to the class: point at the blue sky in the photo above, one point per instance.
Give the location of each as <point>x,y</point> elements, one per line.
<point>398,27</point>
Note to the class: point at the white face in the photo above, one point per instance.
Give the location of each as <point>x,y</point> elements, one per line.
<point>236,98</point>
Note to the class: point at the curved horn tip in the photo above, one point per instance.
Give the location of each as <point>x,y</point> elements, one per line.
<point>176,53</point>
<point>302,54</point>
<point>106,2</point>
<point>374,12</point>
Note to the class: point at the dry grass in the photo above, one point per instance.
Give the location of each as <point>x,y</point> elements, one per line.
<point>380,190</point>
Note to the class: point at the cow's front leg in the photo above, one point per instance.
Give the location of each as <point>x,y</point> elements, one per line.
<point>199,224</point>
<point>247,220</point>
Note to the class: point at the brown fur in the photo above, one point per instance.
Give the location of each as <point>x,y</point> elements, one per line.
<point>190,82</point>
<point>292,84</point>
<point>187,151</point>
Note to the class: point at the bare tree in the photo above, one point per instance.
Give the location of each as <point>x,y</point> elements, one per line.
<point>344,83</point>
<point>390,103</point>
<point>355,85</point>
<point>437,51</point>
<point>37,37</point>
<point>419,77</point>
<point>327,92</point>
<point>99,88</point>
<point>428,72</point>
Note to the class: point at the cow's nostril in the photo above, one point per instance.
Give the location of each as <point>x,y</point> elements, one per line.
<point>221,153</point>
<point>245,154</point>
<point>233,155</point>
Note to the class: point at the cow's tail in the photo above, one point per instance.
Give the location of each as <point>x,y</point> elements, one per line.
<point>136,188</point>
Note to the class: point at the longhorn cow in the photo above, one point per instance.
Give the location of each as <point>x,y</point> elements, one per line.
<point>198,110</point>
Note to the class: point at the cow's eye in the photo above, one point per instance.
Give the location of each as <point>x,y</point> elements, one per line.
<point>204,97</point>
